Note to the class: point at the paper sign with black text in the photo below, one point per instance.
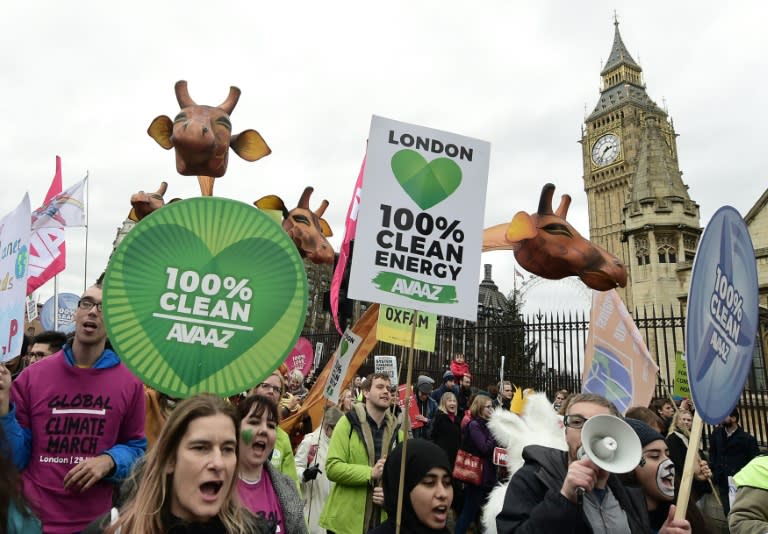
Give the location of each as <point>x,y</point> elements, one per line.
<point>386,364</point>
<point>420,223</point>
<point>347,348</point>
<point>395,325</point>
<point>681,388</point>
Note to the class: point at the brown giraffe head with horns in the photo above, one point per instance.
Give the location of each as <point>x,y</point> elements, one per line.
<point>307,228</point>
<point>546,245</point>
<point>202,135</point>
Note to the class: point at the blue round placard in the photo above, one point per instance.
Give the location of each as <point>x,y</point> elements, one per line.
<point>722,315</point>
<point>66,308</point>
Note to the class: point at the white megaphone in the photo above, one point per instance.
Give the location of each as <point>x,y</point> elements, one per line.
<point>611,444</point>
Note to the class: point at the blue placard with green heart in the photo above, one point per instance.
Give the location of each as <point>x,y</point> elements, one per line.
<point>205,295</point>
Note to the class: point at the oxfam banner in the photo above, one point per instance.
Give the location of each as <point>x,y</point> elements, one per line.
<point>722,315</point>
<point>395,325</point>
<point>420,222</point>
<point>206,295</point>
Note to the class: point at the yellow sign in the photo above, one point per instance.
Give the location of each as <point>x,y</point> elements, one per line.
<point>395,325</point>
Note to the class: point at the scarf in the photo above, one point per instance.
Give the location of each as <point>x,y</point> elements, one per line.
<point>422,455</point>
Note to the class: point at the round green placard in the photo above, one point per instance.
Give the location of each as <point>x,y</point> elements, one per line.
<point>205,295</point>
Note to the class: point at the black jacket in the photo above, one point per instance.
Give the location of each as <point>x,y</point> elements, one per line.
<point>533,503</point>
<point>447,434</point>
<point>677,452</point>
<point>177,526</point>
<point>728,456</point>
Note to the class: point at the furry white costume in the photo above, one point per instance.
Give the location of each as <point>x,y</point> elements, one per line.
<point>538,424</point>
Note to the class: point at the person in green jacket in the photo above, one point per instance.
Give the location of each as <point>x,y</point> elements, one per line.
<point>282,459</point>
<point>355,462</point>
<point>749,513</point>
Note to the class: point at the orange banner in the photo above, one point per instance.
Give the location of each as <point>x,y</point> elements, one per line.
<point>617,364</point>
<point>315,402</point>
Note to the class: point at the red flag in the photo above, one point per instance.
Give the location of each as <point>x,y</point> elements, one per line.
<point>47,251</point>
<point>349,234</point>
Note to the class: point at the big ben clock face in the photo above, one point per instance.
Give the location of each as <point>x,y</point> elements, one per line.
<point>606,150</point>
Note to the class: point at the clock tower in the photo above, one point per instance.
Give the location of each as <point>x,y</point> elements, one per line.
<point>638,205</point>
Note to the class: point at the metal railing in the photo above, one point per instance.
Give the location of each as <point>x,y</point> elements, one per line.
<point>546,352</point>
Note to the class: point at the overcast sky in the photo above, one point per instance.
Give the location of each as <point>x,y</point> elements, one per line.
<point>84,80</point>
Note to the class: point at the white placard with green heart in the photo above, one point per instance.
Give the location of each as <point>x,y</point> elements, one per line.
<point>420,222</point>
<point>206,295</point>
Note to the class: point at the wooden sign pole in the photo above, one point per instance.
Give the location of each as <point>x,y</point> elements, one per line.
<point>689,467</point>
<point>406,423</point>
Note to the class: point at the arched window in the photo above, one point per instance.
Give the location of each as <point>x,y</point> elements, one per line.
<point>642,254</point>
<point>667,254</point>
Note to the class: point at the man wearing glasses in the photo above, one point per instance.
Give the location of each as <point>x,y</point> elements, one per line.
<point>543,495</point>
<point>44,344</point>
<point>75,422</point>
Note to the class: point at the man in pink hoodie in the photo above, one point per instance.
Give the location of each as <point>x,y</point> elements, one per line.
<point>75,423</point>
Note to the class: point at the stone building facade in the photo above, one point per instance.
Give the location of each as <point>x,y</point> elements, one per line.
<point>639,207</point>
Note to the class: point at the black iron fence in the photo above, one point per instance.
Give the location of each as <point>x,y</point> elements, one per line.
<point>546,352</point>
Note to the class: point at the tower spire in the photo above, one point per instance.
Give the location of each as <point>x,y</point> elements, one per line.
<point>619,54</point>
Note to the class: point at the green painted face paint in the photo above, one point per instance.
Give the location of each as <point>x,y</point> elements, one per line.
<point>247,435</point>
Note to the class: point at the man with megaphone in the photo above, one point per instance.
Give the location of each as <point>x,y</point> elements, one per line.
<point>576,490</point>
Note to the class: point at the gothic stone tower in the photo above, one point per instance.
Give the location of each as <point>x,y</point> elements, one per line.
<point>639,207</point>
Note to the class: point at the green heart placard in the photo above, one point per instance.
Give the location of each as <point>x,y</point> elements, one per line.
<point>206,295</point>
<point>427,184</point>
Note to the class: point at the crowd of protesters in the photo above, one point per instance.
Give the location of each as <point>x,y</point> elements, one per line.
<point>86,447</point>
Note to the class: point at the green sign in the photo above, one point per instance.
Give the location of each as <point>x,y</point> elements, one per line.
<point>415,289</point>
<point>205,295</point>
<point>681,388</point>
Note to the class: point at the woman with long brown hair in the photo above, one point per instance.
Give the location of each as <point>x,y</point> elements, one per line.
<point>187,482</point>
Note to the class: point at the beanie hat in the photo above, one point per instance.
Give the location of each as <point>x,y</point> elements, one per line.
<point>448,376</point>
<point>332,415</point>
<point>424,384</point>
<point>644,432</point>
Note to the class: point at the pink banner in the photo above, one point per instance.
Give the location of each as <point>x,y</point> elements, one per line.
<point>349,234</point>
<point>47,251</point>
<point>301,357</point>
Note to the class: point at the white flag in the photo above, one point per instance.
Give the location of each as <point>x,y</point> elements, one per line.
<point>65,209</point>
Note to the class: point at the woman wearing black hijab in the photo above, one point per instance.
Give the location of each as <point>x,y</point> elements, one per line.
<point>427,489</point>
